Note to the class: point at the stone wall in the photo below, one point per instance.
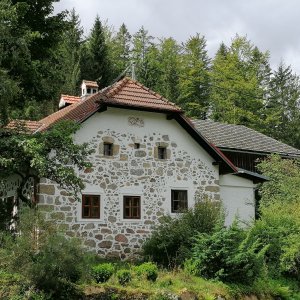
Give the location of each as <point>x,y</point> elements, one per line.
<point>129,171</point>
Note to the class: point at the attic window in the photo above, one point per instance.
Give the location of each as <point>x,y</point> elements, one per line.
<point>162,152</point>
<point>88,90</point>
<point>137,145</point>
<point>94,91</point>
<point>108,149</point>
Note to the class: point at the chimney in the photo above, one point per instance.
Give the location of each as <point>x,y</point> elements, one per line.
<point>88,88</point>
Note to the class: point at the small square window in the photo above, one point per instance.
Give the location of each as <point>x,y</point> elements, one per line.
<point>132,207</point>
<point>90,206</point>
<point>108,149</point>
<point>162,152</point>
<point>179,201</point>
<point>94,91</point>
<point>137,145</point>
<point>88,90</point>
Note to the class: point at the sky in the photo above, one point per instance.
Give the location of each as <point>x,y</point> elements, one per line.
<point>272,25</point>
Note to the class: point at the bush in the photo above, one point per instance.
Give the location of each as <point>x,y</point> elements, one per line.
<point>227,255</point>
<point>149,270</point>
<point>124,276</point>
<point>51,262</point>
<point>170,244</point>
<point>102,272</point>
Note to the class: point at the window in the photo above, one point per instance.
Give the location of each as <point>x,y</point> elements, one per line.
<point>91,206</point>
<point>132,207</point>
<point>162,152</point>
<point>94,91</point>
<point>179,200</point>
<point>108,149</point>
<point>137,145</point>
<point>88,90</point>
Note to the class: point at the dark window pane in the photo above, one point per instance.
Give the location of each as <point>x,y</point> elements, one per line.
<point>88,90</point>
<point>95,201</point>
<point>108,149</point>
<point>179,200</point>
<point>86,200</point>
<point>86,212</point>
<point>162,152</point>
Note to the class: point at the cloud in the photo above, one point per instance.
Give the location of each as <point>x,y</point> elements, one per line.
<point>269,24</point>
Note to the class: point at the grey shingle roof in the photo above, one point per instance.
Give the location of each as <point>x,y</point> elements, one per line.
<point>241,138</point>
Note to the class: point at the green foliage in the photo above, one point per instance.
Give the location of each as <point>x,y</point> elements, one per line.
<point>228,255</point>
<point>239,77</point>
<point>50,262</point>
<point>102,272</point>
<point>149,270</point>
<point>279,223</point>
<point>171,242</point>
<point>51,154</point>
<point>94,59</point>
<point>124,276</point>
<point>283,106</point>
<point>194,78</point>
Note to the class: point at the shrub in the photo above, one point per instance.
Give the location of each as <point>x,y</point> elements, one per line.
<point>227,255</point>
<point>102,272</point>
<point>149,270</point>
<point>171,242</point>
<point>124,276</point>
<point>51,262</point>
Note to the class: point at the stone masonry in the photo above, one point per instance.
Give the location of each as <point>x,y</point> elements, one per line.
<point>139,169</point>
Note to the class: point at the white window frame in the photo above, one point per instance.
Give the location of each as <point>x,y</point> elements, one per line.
<point>133,191</point>
<point>80,219</point>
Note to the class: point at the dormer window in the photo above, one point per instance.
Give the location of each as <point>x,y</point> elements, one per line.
<point>94,91</point>
<point>88,90</point>
<point>162,153</point>
<point>108,149</point>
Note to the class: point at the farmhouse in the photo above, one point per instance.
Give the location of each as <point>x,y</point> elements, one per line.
<point>149,160</point>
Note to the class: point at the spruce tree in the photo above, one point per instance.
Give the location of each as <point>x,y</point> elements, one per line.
<point>94,62</point>
<point>283,106</point>
<point>237,78</point>
<point>144,55</point>
<point>120,51</point>
<point>168,75</point>
<point>70,53</point>
<point>194,78</point>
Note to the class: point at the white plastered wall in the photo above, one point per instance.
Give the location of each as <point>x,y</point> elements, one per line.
<point>238,196</point>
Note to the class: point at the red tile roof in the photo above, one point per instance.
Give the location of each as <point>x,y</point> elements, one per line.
<point>128,92</point>
<point>125,93</point>
<point>89,83</point>
<point>70,99</point>
<point>30,126</point>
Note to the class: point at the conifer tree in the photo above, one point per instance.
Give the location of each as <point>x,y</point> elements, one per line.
<point>70,54</point>
<point>144,55</point>
<point>168,66</point>
<point>238,75</point>
<point>194,77</point>
<point>120,51</point>
<point>95,63</point>
<point>283,106</point>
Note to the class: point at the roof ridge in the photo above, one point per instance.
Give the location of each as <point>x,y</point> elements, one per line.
<point>118,86</point>
<point>152,92</point>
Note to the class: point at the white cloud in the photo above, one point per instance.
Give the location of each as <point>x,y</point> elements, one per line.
<point>269,24</point>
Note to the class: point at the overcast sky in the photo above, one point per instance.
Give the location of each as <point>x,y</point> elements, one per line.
<point>272,25</point>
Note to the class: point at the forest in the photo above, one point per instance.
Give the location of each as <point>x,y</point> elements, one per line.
<point>44,55</point>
